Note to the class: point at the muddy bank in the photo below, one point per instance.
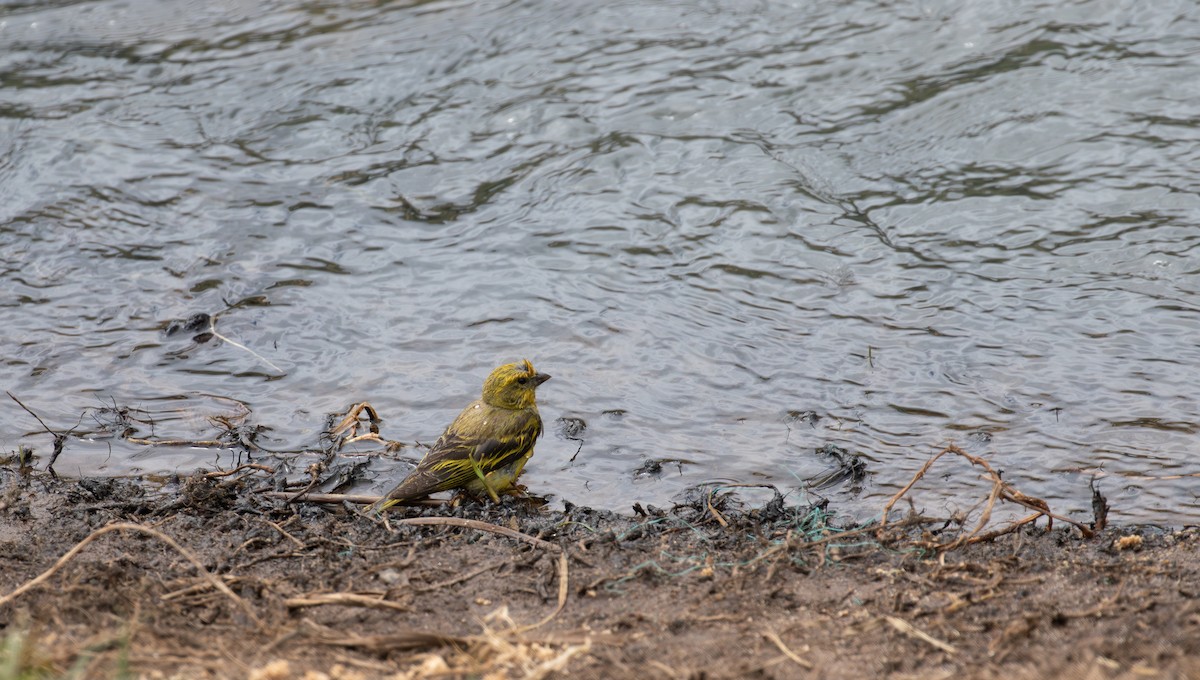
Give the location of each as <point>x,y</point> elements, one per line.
<point>217,579</point>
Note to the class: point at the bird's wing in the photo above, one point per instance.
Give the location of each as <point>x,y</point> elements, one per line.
<point>497,453</point>
<point>446,466</point>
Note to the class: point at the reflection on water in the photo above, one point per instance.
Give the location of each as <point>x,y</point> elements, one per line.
<point>911,224</point>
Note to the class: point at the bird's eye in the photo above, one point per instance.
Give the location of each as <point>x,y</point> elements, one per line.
<point>522,381</point>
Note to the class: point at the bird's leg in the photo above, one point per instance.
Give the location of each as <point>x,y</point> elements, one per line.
<point>483,478</point>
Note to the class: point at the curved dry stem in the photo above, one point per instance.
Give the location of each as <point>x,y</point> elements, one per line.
<point>479,526</point>
<point>1001,490</point>
<point>511,533</point>
<point>137,528</point>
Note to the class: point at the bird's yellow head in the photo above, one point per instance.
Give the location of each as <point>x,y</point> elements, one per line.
<point>512,386</point>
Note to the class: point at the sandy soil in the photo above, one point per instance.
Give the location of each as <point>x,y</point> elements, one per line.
<point>703,590</point>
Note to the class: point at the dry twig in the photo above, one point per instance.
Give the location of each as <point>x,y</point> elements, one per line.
<point>460,578</point>
<point>300,544</point>
<point>1001,490</point>
<point>137,528</point>
<point>774,638</point>
<point>339,498</point>
<point>198,443</point>
<point>225,473</point>
<point>382,644</point>
<point>510,533</point>
<point>480,526</point>
<point>347,599</point>
<point>911,630</point>
<point>711,509</point>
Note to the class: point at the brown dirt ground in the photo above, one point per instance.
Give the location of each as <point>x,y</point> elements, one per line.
<point>690,592</point>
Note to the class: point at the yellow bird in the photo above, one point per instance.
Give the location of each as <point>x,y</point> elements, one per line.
<point>487,445</point>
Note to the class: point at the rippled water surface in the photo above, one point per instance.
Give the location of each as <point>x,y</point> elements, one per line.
<point>732,231</point>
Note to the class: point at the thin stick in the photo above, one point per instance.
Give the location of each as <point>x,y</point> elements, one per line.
<point>350,420</point>
<point>986,516</point>
<point>213,329</point>
<point>778,642</point>
<point>245,466</point>
<point>403,640</point>
<point>286,535</point>
<point>909,629</point>
<point>1099,608</point>
<point>370,436</point>
<point>1087,532</point>
<point>480,526</point>
<point>459,579</point>
<point>916,478</point>
<point>339,498</point>
<point>30,412</point>
<point>199,443</point>
<point>717,515</point>
<point>559,663</point>
<point>125,526</point>
<point>195,588</point>
<point>511,533</point>
<point>60,438</point>
<point>991,535</point>
<point>348,599</point>
<point>562,595</point>
<point>312,483</point>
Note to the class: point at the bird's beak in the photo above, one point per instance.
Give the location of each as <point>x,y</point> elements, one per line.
<point>539,379</point>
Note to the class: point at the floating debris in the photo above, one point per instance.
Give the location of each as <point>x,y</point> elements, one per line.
<point>848,467</point>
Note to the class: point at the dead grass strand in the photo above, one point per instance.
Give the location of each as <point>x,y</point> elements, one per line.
<point>912,631</point>
<point>345,599</point>
<point>479,526</point>
<point>774,639</point>
<point>136,528</point>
